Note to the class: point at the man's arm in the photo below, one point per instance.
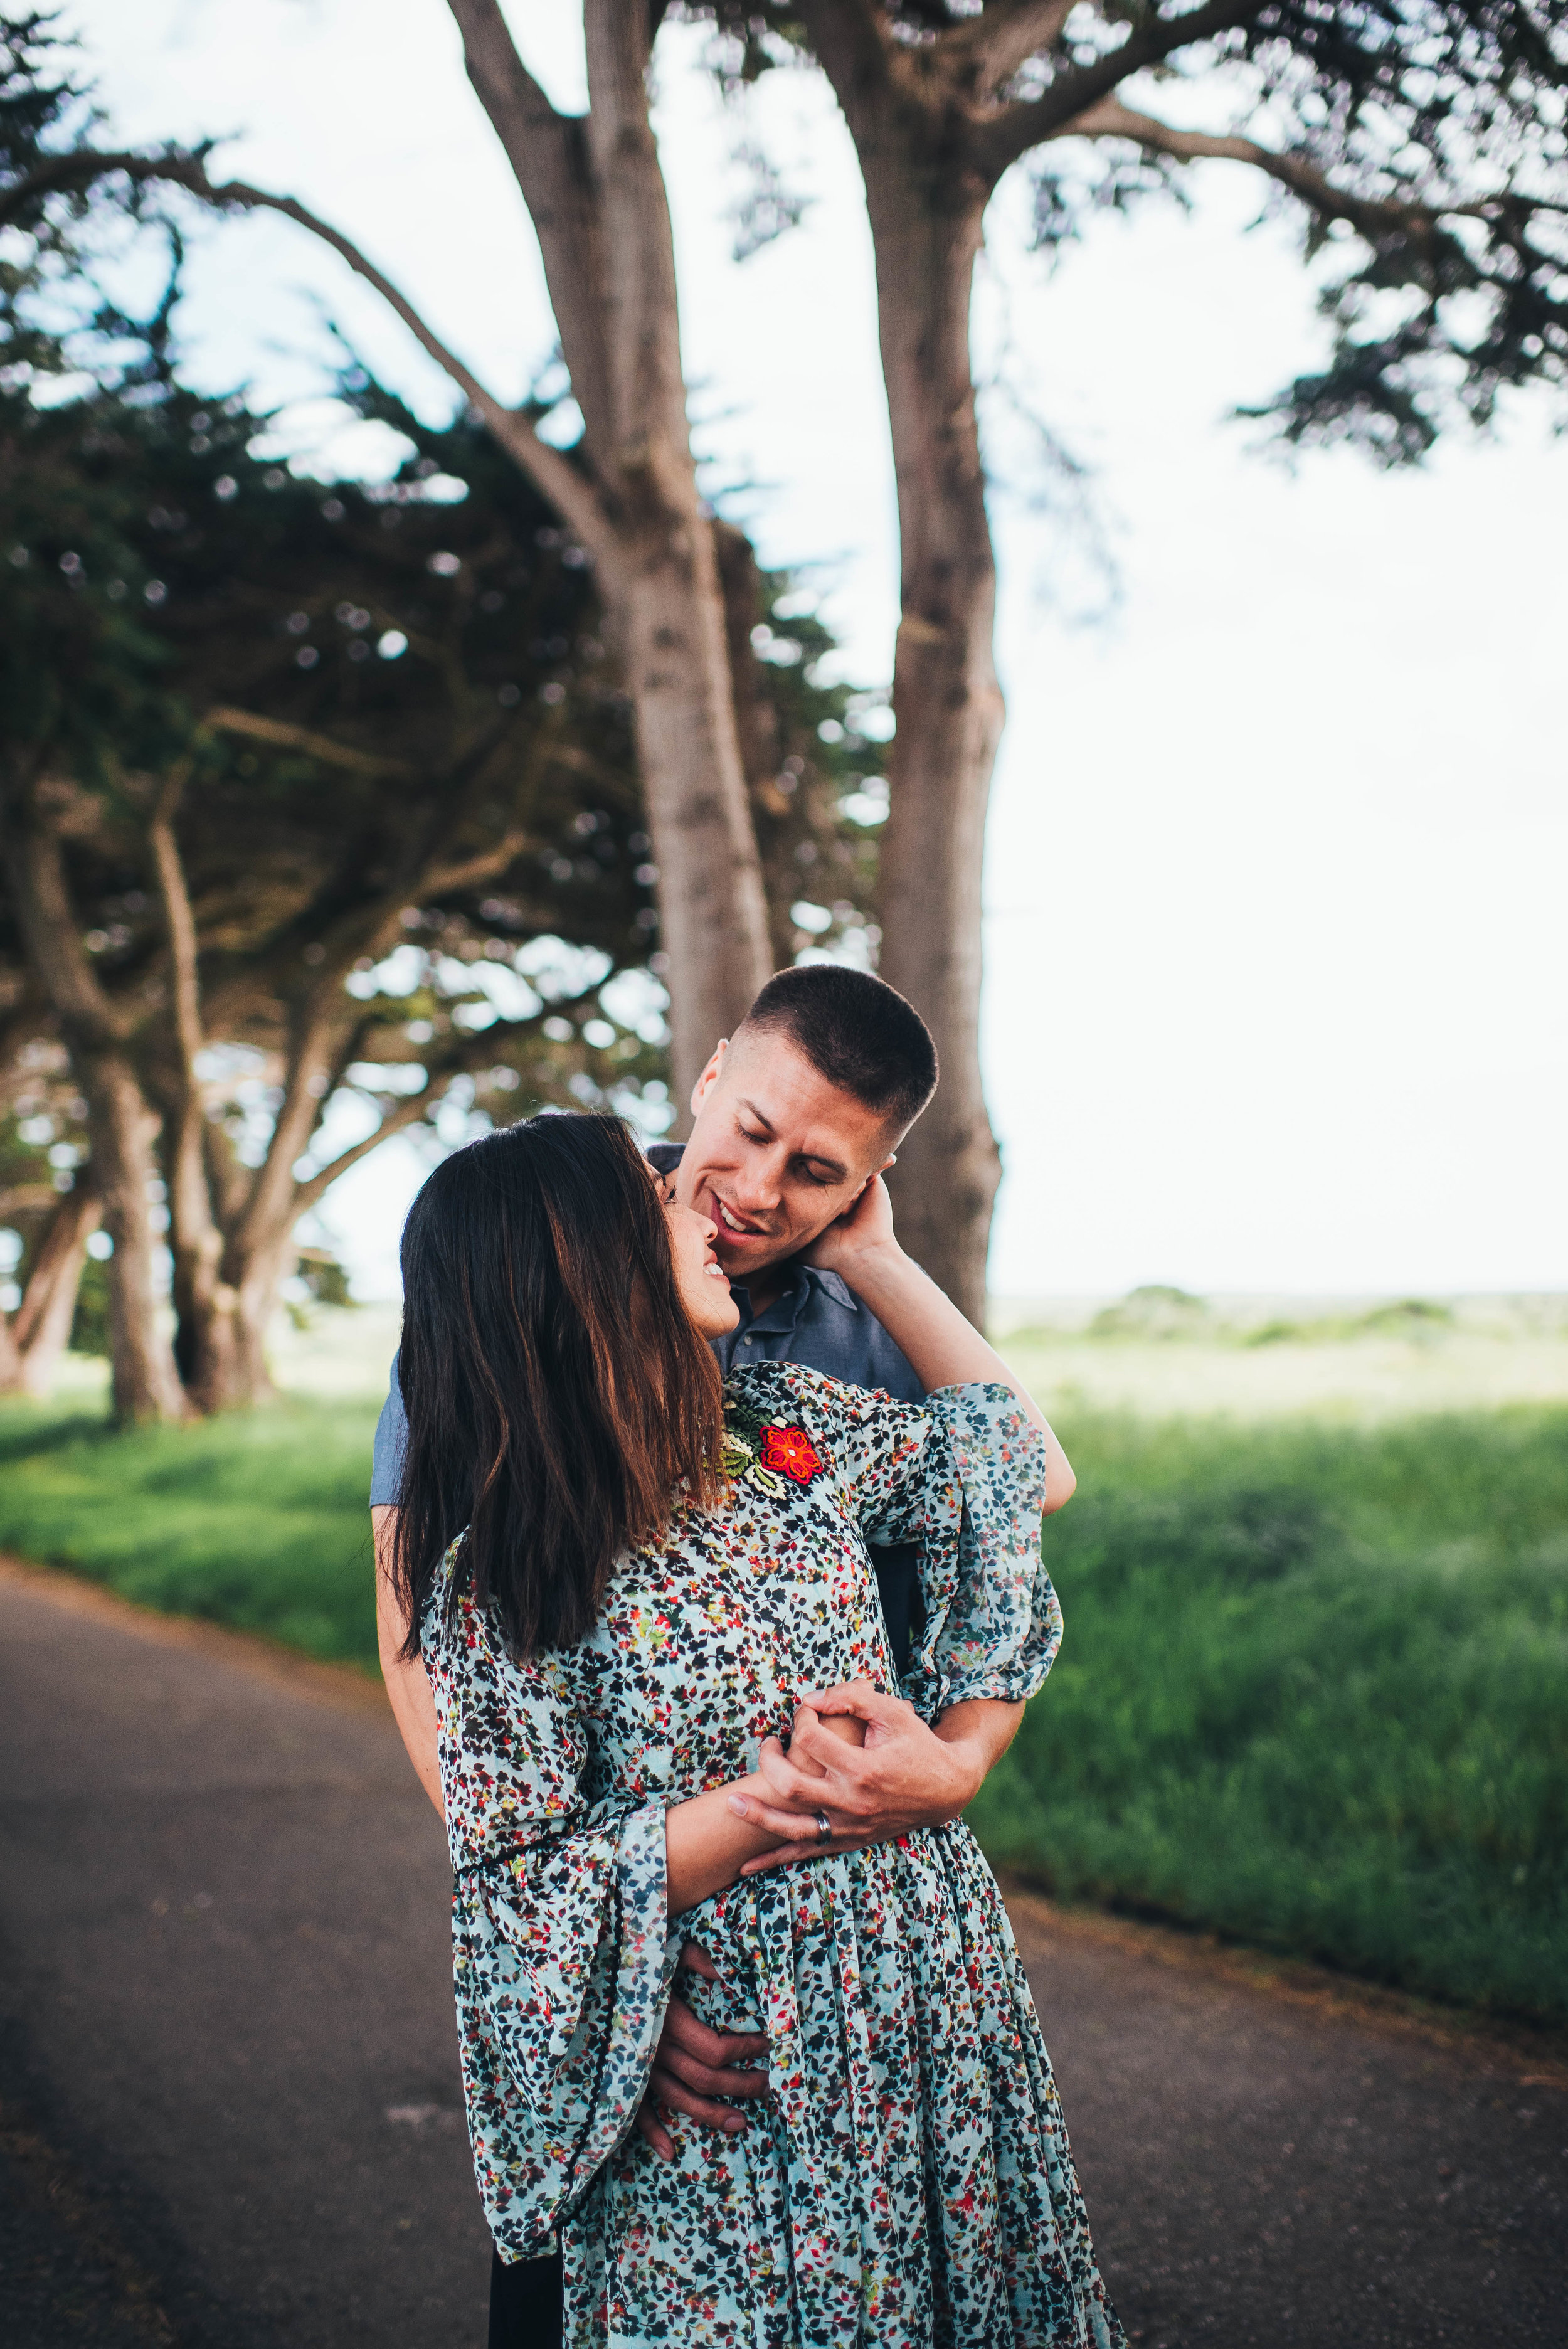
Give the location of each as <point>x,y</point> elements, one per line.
<point>408,1682</point>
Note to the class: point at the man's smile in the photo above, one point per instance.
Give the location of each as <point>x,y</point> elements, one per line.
<point>728,1221</point>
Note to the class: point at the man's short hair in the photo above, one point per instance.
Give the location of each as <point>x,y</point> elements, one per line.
<point>857,1033</point>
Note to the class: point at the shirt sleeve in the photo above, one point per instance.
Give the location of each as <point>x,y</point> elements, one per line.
<point>391,1443</point>
<point>964,1475</point>
<point>890,1368</point>
<point>563,1947</point>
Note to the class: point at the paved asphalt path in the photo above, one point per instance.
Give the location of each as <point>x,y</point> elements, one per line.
<point>229,2100</point>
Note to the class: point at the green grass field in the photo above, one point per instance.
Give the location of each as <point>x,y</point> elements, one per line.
<point>1314,1693</point>
<point>258,1520</point>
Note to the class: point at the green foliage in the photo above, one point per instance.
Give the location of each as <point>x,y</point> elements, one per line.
<point>257,1519</point>
<point>1156,1313</point>
<point>1417,1320</point>
<point>43,1140</point>
<point>323,1277</point>
<point>1422,145</point>
<point>91,1316</point>
<point>1155,1310</point>
<point>1314,1694</point>
<point>368,681</point>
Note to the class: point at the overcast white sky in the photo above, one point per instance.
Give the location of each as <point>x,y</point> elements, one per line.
<point>1275,934</point>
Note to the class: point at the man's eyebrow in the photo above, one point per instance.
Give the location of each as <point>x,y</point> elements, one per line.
<point>835,1168</point>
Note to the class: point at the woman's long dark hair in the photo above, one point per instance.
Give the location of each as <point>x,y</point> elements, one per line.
<point>558,1395</point>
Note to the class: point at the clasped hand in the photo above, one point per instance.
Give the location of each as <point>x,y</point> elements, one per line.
<point>902,1777</point>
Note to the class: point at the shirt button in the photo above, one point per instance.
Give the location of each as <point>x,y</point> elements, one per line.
<point>751,1341</point>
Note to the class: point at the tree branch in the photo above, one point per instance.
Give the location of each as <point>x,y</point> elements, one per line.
<point>552,475</point>
<point>999,142</point>
<point>988,50</point>
<point>315,1062</point>
<point>475,869</point>
<point>323,1035</point>
<point>1372,216</point>
<point>849,39</point>
<point>543,752</point>
<point>179,923</point>
<point>404,1112</point>
<point>194,1235</point>
<point>23,1197</point>
<point>43,1322</point>
<point>466,1052</point>
<point>48,925</point>
<point>549,159</point>
<point>300,737</point>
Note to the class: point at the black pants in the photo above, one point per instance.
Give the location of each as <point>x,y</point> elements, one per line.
<point>525,2310</point>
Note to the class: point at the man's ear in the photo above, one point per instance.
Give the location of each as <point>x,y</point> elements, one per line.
<point>709,1076</point>
<point>855,1202</point>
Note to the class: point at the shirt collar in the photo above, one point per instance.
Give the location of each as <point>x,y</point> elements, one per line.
<point>790,1303</point>
<point>836,1288</point>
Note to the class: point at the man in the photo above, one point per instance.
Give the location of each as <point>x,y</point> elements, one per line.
<point>795,1119</point>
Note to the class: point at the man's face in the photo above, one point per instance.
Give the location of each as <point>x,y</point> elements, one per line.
<point>777,1152</point>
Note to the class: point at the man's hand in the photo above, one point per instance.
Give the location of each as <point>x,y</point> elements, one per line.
<point>905,1775</point>
<point>693,2066</point>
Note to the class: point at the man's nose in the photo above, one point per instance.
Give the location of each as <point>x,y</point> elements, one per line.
<point>760,1185</point>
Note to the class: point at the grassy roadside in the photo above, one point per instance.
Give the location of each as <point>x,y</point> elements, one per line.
<point>1314,1693</point>
<point>258,1521</point>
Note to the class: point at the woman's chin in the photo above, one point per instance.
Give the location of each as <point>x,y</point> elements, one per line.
<point>716,1312</point>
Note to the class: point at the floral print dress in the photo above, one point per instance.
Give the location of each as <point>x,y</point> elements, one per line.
<point>907,2179</point>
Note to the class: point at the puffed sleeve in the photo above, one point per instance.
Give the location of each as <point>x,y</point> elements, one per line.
<point>562,1950</point>
<point>993,1622</point>
<point>964,1475</point>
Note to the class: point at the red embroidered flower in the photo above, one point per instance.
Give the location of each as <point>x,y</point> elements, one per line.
<point>791,1452</point>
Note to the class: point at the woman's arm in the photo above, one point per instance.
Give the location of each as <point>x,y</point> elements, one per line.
<point>706,1844</point>
<point>408,1682</point>
<point>942,1348</point>
<point>708,1840</point>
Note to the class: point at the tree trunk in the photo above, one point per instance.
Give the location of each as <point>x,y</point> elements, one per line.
<point>222,1332</point>
<point>947,705</point>
<point>144,1383</point>
<point>203,1302</point>
<point>712,912</point>
<point>227,1265</point>
<point>758,727</point>
<point>598,199</point>
<point>41,1329</point>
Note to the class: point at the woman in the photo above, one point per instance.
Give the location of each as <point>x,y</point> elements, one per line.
<point>651,1572</point>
